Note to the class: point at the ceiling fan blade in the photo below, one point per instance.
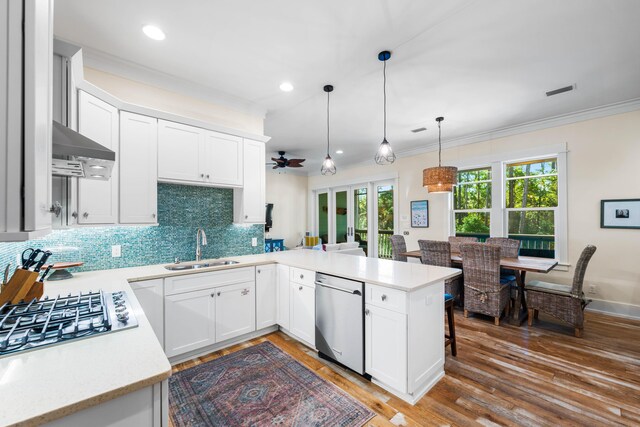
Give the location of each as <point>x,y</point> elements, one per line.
<point>279,160</point>
<point>295,165</point>
<point>296,160</point>
<point>276,167</point>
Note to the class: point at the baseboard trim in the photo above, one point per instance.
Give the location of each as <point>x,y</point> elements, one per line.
<point>612,308</point>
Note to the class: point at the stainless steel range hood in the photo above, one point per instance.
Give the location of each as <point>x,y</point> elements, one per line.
<point>76,155</point>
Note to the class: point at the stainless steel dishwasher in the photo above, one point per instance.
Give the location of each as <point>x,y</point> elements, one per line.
<point>340,320</point>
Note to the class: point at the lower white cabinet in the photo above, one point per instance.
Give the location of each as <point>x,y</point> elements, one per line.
<point>386,346</point>
<point>235,312</point>
<point>266,296</point>
<point>303,312</point>
<point>190,321</point>
<point>150,295</point>
<point>283,294</point>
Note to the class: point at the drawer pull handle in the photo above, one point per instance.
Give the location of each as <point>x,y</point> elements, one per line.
<point>302,276</point>
<point>258,271</point>
<point>384,297</point>
<point>300,288</point>
<point>366,312</point>
<point>213,294</point>
<point>218,293</point>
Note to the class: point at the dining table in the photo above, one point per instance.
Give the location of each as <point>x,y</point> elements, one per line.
<point>520,266</point>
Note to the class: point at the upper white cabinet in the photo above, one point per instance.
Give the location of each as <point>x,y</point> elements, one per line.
<point>138,168</point>
<point>26,58</point>
<point>180,152</point>
<point>266,296</point>
<point>98,200</point>
<point>223,159</point>
<point>248,202</point>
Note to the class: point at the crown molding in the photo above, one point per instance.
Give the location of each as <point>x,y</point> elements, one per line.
<point>112,64</point>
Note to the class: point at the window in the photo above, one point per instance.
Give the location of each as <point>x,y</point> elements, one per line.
<point>472,203</point>
<point>531,202</point>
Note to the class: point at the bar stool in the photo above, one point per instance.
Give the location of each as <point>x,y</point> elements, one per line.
<point>451,338</point>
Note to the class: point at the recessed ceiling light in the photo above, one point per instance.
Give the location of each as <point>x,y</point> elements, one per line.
<point>153,32</point>
<point>286,87</point>
<point>339,151</point>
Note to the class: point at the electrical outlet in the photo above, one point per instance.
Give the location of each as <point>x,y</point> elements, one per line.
<point>592,289</point>
<point>254,241</point>
<point>406,232</point>
<point>116,251</point>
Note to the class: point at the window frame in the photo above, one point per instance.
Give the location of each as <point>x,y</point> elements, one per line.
<point>482,210</point>
<point>499,212</point>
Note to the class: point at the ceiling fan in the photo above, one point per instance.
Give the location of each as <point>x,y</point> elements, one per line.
<point>283,162</point>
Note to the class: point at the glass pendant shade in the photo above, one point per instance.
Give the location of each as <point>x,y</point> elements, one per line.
<point>440,179</point>
<point>385,155</point>
<point>328,165</point>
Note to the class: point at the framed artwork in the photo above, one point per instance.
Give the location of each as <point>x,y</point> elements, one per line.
<point>620,213</point>
<point>420,214</point>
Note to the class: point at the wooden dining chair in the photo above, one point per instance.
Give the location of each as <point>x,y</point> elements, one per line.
<point>483,291</point>
<point>563,302</point>
<point>398,246</point>
<point>438,253</point>
<point>456,241</point>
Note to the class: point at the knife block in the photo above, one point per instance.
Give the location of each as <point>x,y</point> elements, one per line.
<point>19,286</point>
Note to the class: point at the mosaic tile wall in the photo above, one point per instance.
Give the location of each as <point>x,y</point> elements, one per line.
<point>181,210</point>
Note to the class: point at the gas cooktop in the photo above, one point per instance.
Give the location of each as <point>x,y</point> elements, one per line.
<point>39,323</point>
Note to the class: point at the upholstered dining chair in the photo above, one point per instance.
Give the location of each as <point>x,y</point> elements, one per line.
<point>563,302</point>
<point>434,252</point>
<point>483,291</point>
<point>398,246</point>
<point>457,241</point>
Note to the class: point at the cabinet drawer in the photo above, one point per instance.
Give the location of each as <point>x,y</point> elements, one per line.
<point>391,299</point>
<point>193,282</point>
<point>302,276</point>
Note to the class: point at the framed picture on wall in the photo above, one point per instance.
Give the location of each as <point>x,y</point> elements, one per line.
<point>420,214</point>
<point>621,213</point>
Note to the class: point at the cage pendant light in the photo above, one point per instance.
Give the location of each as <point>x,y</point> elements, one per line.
<point>385,155</point>
<point>328,165</point>
<point>441,179</point>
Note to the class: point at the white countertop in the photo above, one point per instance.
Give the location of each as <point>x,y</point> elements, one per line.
<point>45,384</point>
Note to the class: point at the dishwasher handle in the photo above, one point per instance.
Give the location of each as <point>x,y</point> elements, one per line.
<point>349,291</point>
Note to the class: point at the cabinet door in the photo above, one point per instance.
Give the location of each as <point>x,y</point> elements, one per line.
<point>283,294</point>
<point>303,313</point>
<point>266,296</point>
<point>249,201</point>
<point>138,168</point>
<point>98,200</point>
<point>235,310</point>
<point>386,346</point>
<point>179,152</point>
<point>150,295</point>
<point>223,157</point>
<point>190,321</point>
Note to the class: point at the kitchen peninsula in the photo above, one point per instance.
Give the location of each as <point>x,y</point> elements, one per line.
<point>404,338</point>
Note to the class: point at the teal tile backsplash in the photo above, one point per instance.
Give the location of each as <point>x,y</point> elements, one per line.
<point>181,210</point>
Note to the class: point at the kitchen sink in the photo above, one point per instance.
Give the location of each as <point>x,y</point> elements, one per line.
<point>181,267</point>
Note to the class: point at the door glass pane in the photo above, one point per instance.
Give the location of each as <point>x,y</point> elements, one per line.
<point>385,220</point>
<point>323,217</point>
<point>341,216</point>
<point>360,218</point>
<point>535,228</point>
<point>473,224</point>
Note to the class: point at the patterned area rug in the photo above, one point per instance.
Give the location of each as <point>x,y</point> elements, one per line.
<point>259,386</point>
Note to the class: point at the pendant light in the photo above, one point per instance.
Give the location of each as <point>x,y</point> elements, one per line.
<point>385,155</point>
<point>328,166</point>
<point>443,178</point>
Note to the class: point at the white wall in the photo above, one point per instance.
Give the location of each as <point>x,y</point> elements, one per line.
<point>160,99</point>
<point>288,193</point>
<point>603,159</point>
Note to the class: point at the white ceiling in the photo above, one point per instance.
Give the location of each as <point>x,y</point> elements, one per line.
<point>482,64</point>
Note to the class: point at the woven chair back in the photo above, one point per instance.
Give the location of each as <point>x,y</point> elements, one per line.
<point>581,268</point>
<point>434,252</point>
<point>481,266</point>
<point>398,246</point>
<point>510,247</point>
<point>456,241</point>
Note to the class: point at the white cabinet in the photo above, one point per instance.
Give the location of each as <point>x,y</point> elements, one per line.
<point>386,346</point>
<point>303,312</point>
<point>138,168</point>
<point>266,296</point>
<point>98,200</point>
<point>150,295</point>
<point>283,295</point>
<point>190,321</point>
<point>235,310</point>
<point>223,159</point>
<point>180,152</point>
<point>248,202</point>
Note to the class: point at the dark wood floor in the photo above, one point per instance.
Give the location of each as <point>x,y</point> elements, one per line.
<point>507,375</point>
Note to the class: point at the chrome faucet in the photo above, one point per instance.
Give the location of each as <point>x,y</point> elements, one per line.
<point>198,246</point>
